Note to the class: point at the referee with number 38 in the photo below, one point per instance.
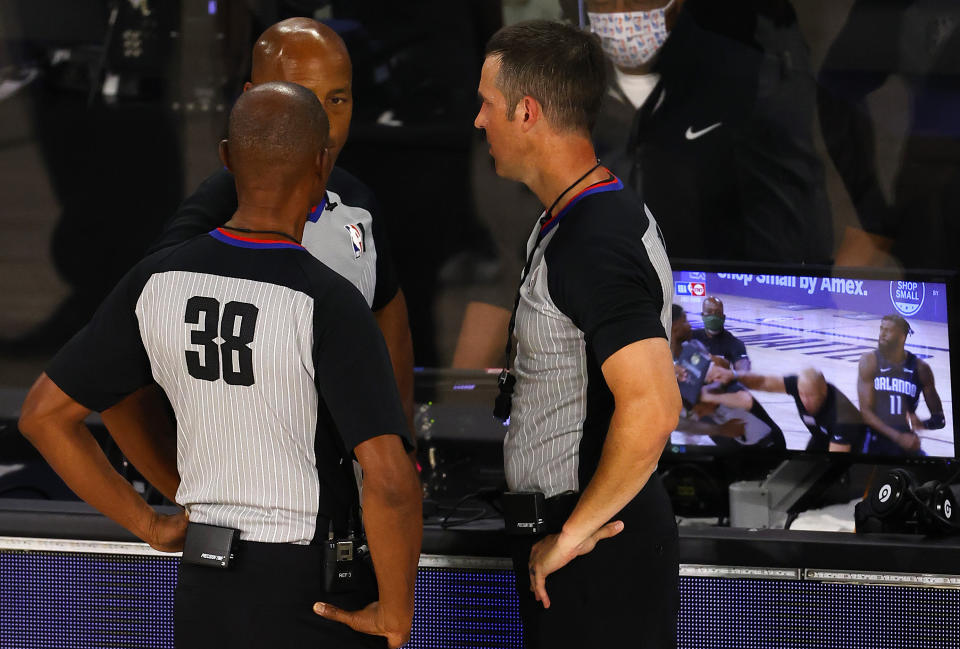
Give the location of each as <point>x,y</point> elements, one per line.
<point>279,378</point>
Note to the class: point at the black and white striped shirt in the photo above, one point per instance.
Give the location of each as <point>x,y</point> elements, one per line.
<point>274,366</point>
<point>600,280</point>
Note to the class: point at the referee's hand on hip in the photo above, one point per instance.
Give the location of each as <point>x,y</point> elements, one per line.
<point>367,620</point>
<point>551,553</point>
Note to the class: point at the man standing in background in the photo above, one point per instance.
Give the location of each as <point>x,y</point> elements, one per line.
<point>715,133</point>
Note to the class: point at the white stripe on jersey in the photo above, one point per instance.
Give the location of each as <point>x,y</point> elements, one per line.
<point>245,453</point>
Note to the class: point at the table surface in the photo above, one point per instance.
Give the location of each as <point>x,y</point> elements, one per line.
<point>698,544</point>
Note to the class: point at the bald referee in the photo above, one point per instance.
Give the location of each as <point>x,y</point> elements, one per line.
<point>278,377</point>
<point>346,231</point>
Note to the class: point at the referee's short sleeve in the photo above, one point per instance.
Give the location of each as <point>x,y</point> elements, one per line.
<point>605,283</point>
<point>106,360</point>
<point>352,368</point>
<point>209,207</point>
<point>388,283</point>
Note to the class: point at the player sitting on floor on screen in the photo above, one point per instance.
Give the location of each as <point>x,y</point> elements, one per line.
<point>718,340</point>
<point>834,423</point>
<point>726,419</point>
<point>889,386</point>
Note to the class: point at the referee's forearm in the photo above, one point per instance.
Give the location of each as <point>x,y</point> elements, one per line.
<point>53,422</point>
<point>393,520</point>
<point>395,326</point>
<point>144,431</point>
<point>630,454</point>
<point>73,453</point>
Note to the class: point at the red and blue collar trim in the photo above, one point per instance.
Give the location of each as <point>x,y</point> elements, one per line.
<point>317,210</point>
<point>612,184</point>
<point>247,242</point>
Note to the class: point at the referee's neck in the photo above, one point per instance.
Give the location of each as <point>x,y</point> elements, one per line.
<point>561,161</point>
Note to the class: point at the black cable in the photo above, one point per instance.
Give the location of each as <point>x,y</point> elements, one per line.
<point>95,81</point>
<point>43,494</point>
<point>791,517</point>
<point>482,512</point>
<point>933,512</point>
<point>952,479</point>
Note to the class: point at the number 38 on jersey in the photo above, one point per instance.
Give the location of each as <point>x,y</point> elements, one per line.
<point>225,339</point>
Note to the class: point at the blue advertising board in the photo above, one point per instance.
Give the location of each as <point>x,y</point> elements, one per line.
<point>911,299</point>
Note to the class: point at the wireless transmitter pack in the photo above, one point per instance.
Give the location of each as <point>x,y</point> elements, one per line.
<point>209,545</point>
<point>524,512</point>
<point>341,559</point>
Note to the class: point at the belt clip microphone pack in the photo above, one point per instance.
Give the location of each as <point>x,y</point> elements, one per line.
<point>524,512</point>
<point>209,545</point>
<point>340,562</point>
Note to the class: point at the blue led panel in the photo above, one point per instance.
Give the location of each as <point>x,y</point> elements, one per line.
<point>55,600</point>
<point>755,614</point>
<point>466,609</point>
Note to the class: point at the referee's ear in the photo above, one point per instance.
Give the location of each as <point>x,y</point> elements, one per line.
<point>224,151</point>
<point>323,163</point>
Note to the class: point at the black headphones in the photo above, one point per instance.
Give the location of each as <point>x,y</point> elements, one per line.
<point>898,502</point>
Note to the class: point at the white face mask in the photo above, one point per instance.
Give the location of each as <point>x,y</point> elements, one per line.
<point>631,38</point>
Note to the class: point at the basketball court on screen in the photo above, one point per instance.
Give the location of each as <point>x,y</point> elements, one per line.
<point>783,337</point>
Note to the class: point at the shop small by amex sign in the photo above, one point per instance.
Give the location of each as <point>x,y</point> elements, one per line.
<point>907,297</point>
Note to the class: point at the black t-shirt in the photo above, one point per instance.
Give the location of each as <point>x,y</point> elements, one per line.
<point>274,366</point>
<point>346,231</point>
<point>838,420</point>
<point>723,344</point>
<point>722,149</point>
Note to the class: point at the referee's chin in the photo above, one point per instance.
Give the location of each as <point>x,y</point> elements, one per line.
<point>505,171</point>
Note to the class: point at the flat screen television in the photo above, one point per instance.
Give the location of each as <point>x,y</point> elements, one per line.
<point>802,329</point>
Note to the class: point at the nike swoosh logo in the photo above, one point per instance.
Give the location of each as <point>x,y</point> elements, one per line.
<point>693,135</point>
<point>885,369</point>
<point>908,371</point>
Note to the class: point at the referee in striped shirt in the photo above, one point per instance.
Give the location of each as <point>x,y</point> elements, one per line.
<point>596,397</point>
<point>279,377</point>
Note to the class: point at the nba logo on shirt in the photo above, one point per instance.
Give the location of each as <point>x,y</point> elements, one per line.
<point>357,238</point>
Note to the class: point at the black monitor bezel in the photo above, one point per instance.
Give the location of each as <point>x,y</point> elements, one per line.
<point>947,277</point>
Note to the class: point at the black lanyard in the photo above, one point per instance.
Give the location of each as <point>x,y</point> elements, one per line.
<point>506,380</point>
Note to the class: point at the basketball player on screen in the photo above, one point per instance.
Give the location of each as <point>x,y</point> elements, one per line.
<point>834,423</point>
<point>889,386</point>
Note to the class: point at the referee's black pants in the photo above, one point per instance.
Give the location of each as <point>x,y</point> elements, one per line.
<point>623,594</point>
<point>265,600</point>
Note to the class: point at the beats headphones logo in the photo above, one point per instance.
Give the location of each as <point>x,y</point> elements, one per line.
<point>885,492</point>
